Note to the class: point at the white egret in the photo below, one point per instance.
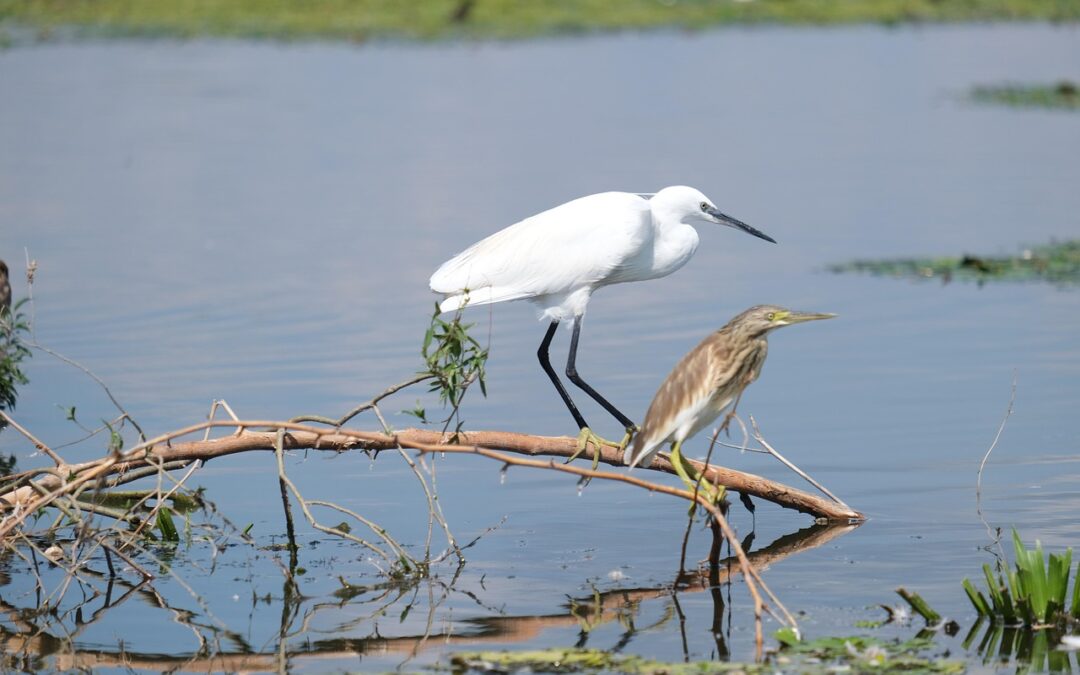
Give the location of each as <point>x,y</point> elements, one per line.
<point>558,258</point>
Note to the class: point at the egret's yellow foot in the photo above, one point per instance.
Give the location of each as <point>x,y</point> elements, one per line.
<point>584,439</point>
<point>630,431</point>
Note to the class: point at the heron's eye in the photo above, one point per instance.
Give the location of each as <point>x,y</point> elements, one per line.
<point>771,316</point>
<point>704,206</point>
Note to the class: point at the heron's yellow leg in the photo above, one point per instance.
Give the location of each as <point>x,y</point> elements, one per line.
<point>684,470</point>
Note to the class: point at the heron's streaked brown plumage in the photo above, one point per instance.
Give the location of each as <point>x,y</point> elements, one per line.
<point>709,379</point>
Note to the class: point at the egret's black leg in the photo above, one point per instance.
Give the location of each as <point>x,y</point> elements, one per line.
<point>545,363</point>
<point>572,375</point>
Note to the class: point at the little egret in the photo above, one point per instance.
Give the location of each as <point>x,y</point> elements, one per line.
<point>556,259</point>
<point>711,377</point>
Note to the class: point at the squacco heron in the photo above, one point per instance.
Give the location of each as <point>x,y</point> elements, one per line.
<point>709,380</point>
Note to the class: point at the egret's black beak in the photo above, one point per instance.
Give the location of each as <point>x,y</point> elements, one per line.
<point>738,224</point>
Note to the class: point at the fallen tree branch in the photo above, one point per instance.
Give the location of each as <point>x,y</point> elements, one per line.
<point>278,436</point>
<point>301,436</point>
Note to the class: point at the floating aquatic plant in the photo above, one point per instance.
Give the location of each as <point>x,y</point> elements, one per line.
<point>825,656</point>
<point>1057,262</point>
<point>1063,95</point>
<point>859,654</point>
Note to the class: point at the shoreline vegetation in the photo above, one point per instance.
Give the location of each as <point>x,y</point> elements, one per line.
<point>361,20</point>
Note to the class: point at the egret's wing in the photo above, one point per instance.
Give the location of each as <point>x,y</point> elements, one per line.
<point>571,245</point>
<point>684,400</point>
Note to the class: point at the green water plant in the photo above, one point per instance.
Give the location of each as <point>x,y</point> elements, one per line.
<point>1057,263</point>
<point>859,653</point>
<point>1034,593</point>
<point>829,655</point>
<point>919,606</point>
<point>1063,95</point>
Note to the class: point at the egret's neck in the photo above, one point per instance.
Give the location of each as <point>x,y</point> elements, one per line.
<point>674,245</point>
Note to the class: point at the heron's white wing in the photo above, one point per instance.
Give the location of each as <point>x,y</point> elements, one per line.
<point>572,245</point>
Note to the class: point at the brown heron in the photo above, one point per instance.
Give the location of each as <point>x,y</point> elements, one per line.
<point>709,380</point>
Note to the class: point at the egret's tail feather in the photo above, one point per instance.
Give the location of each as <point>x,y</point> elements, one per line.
<point>480,296</point>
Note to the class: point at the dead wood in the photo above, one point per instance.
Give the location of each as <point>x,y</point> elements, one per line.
<point>300,436</point>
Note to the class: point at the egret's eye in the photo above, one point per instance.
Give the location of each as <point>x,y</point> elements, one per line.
<point>771,316</point>
<point>704,206</point>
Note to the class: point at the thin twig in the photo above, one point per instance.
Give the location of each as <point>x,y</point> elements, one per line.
<point>982,464</point>
<point>37,444</point>
<point>753,579</point>
<point>367,405</point>
<point>772,451</point>
<point>284,478</point>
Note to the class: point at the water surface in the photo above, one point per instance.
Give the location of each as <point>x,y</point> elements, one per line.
<point>257,222</point>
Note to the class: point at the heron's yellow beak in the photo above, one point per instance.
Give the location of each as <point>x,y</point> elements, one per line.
<point>788,318</point>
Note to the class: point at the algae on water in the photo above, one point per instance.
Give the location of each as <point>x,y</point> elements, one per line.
<point>1062,95</point>
<point>1056,263</point>
<point>825,656</point>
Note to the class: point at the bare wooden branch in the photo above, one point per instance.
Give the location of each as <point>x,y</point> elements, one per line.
<point>300,436</point>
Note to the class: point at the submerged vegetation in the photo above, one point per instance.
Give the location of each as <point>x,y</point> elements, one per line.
<point>366,19</point>
<point>1057,263</point>
<point>1064,95</point>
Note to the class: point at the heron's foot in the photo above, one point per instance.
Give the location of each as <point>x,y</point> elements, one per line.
<point>630,431</point>
<point>695,481</point>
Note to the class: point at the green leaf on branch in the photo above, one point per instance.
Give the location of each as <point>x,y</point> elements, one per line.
<point>454,358</point>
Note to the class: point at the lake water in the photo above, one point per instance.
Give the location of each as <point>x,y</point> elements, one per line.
<point>257,222</point>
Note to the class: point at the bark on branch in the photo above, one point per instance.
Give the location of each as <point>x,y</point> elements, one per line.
<point>301,436</point>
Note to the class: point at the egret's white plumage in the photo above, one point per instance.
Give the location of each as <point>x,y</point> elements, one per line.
<point>559,257</point>
<point>556,259</point>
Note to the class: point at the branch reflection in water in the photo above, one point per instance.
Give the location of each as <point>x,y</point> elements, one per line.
<point>47,633</point>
